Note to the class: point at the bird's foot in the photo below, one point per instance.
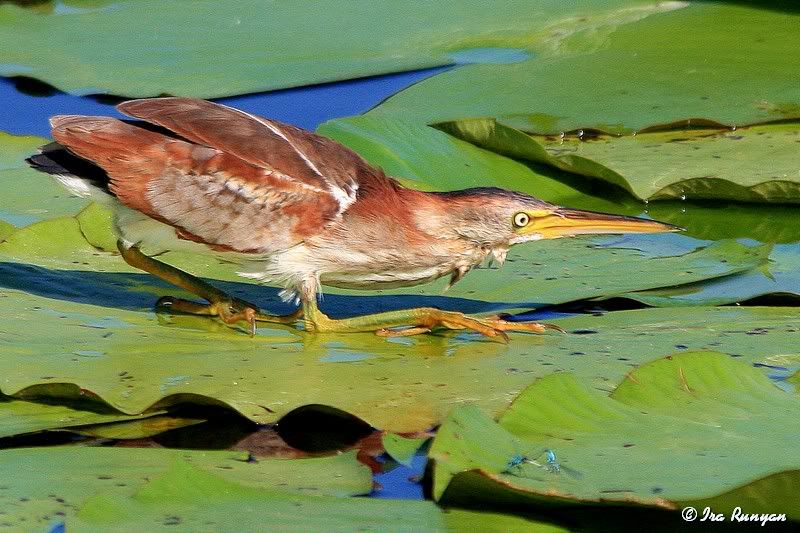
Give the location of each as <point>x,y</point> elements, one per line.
<point>493,326</point>
<point>408,322</point>
<point>232,312</point>
<point>425,320</point>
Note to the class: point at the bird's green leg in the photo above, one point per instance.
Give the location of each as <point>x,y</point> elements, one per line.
<point>229,309</point>
<point>419,320</point>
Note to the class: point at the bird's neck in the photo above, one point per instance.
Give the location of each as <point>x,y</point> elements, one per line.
<point>436,216</point>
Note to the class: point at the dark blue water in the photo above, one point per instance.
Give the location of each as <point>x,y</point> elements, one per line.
<point>307,107</point>
<point>402,482</point>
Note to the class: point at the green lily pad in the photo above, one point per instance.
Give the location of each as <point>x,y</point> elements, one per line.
<point>401,449</point>
<point>781,276</point>
<point>18,417</point>
<point>551,273</point>
<point>96,224</point>
<point>675,432</point>
<point>660,69</point>
<point>753,164</point>
<point>135,362</point>
<point>28,195</point>
<point>58,240</point>
<point>59,481</point>
<point>86,241</point>
<point>426,158</point>
<point>191,499</point>
<point>6,229</point>
<point>249,47</point>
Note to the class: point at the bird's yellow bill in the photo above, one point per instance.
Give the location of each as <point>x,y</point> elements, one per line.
<point>570,222</point>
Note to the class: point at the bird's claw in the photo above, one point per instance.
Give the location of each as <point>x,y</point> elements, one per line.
<point>236,311</point>
<point>232,312</point>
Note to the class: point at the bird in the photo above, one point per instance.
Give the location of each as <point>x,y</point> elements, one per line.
<point>296,209</point>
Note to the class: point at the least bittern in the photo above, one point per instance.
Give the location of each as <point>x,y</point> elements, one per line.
<point>293,208</point>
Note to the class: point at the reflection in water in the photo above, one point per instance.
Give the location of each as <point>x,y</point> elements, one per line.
<point>716,220</point>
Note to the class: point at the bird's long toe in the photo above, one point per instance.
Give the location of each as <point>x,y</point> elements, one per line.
<point>500,323</point>
<point>407,332</point>
<point>172,305</point>
<point>457,321</point>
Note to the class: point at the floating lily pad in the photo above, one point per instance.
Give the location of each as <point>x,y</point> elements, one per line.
<point>27,195</point>
<point>6,229</point>
<point>18,417</point>
<point>675,432</point>
<point>186,497</point>
<point>135,362</point>
<point>96,224</point>
<point>665,68</point>
<point>401,449</point>
<point>58,239</point>
<point>550,273</point>
<point>249,47</point>
<point>753,164</point>
<point>780,276</point>
<point>60,481</point>
<point>424,157</point>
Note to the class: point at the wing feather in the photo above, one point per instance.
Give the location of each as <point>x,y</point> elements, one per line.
<point>208,194</point>
<point>305,156</point>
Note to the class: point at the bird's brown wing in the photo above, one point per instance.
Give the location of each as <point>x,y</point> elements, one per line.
<point>215,195</point>
<point>312,159</point>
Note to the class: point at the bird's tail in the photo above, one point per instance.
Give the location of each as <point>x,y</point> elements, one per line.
<point>91,153</point>
<point>79,176</point>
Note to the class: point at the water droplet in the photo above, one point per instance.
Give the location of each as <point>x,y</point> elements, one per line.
<point>683,197</point>
<point>580,134</point>
<point>683,209</point>
<point>646,201</point>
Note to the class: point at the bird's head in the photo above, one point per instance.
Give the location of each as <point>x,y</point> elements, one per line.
<point>493,217</point>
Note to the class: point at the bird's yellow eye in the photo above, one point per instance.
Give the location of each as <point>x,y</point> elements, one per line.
<point>521,220</point>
